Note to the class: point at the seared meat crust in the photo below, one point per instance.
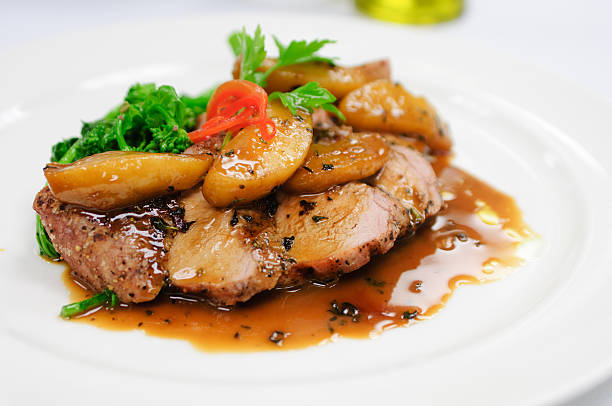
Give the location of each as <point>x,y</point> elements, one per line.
<point>121,254</point>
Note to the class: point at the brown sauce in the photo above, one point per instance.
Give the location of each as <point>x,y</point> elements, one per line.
<point>473,240</point>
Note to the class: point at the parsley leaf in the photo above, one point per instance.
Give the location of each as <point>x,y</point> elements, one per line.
<point>253,52</point>
<point>307,97</point>
<point>298,52</point>
<point>301,52</point>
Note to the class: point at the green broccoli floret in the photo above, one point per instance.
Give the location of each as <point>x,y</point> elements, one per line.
<point>60,149</point>
<point>151,119</point>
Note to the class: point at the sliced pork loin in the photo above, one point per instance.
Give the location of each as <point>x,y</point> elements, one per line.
<point>409,178</point>
<point>121,250</point>
<point>225,254</point>
<point>231,254</point>
<point>337,231</point>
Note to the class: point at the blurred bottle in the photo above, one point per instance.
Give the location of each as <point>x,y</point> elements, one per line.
<point>412,11</point>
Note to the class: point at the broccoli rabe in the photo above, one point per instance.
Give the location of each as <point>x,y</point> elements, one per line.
<point>151,119</point>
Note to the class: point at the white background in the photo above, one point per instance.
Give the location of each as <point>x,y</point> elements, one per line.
<point>570,39</point>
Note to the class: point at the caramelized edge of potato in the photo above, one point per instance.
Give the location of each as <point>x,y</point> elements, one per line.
<point>116,179</point>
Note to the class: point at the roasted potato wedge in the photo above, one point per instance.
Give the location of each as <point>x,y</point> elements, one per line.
<point>248,167</point>
<point>387,107</point>
<point>119,178</point>
<point>351,157</point>
<point>337,79</point>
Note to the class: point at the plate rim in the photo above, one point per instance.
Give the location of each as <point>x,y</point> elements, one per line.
<point>580,385</point>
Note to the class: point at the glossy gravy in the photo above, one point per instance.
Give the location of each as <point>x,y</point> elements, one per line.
<point>472,240</point>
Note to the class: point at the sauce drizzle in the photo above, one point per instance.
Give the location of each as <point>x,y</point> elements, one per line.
<point>472,240</point>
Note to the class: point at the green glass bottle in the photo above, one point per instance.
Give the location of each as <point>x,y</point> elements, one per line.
<point>412,11</point>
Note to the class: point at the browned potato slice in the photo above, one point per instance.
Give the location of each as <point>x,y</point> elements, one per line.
<point>337,79</point>
<point>387,107</point>
<point>351,157</point>
<point>248,167</point>
<point>118,178</point>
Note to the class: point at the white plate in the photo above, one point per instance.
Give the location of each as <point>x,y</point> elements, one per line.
<point>541,335</point>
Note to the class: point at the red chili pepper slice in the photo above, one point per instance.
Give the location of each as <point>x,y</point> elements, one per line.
<point>234,105</point>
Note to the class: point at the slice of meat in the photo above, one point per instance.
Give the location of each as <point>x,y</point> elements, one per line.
<point>225,253</point>
<point>337,231</point>
<point>210,146</point>
<point>119,250</point>
<point>327,124</point>
<point>409,178</point>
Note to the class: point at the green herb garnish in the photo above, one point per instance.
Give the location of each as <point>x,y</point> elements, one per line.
<point>44,243</point>
<point>300,52</point>
<point>409,315</point>
<point>108,298</point>
<point>160,225</point>
<point>345,309</point>
<point>308,97</point>
<point>226,139</point>
<point>253,52</point>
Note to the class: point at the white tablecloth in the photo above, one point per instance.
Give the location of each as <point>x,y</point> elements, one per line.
<point>569,38</point>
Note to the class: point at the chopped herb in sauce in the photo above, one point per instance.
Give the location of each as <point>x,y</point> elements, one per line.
<point>160,225</point>
<point>307,169</point>
<point>277,337</point>
<point>178,218</point>
<point>408,315</point>
<point>345,309</point>
<point>288,242</point>
<point>306,206</point>
<point>234,219</point>
<point>417,216</point>
<point>316,219</point>
<point>327,167</point>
